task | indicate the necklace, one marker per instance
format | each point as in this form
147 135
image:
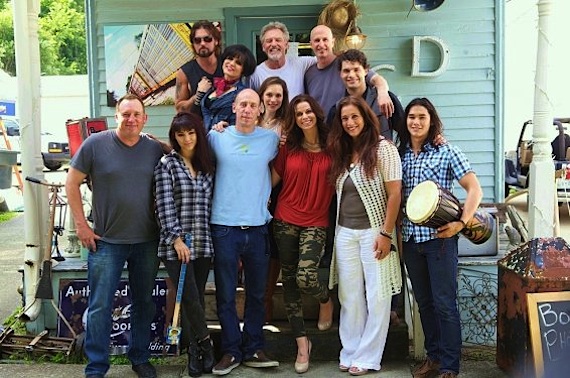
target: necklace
313 147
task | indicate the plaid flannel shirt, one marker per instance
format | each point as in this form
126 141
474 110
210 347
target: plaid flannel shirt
183 206
441 164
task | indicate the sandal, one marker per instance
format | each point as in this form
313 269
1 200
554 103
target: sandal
343 368
355 370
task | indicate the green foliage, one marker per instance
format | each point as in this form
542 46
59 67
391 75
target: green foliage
4 217
17 325
7 51
61 37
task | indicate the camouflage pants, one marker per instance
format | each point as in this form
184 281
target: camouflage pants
300 250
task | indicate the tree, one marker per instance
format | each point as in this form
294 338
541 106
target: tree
61 36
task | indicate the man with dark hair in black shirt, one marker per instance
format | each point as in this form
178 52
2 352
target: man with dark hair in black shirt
194 78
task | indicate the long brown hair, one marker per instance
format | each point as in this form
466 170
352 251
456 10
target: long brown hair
281 113
295 134
341 145
435 127
201 160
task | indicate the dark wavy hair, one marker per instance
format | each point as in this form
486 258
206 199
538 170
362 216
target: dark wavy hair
353 55
295 134
243 55
201 160
212 29
435 128
341 146
281 113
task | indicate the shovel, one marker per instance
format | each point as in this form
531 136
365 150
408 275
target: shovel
45 289
174 330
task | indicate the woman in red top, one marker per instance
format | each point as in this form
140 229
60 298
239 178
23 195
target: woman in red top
301 216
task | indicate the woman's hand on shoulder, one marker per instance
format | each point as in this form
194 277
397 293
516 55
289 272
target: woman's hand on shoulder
439 140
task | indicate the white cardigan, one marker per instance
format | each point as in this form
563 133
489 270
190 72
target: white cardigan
373 195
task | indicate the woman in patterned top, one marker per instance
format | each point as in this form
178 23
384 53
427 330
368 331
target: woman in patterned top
301 216
183 189
430 257
367 173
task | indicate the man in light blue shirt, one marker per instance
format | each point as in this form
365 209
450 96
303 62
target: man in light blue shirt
239 230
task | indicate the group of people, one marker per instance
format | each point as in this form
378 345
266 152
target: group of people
257 159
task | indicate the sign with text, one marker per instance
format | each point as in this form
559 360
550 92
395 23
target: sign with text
73 303
549 323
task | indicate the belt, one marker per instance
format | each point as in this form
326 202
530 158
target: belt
247 227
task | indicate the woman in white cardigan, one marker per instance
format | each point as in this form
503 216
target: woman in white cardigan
367 173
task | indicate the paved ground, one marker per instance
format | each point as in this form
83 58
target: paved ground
471 369
11 258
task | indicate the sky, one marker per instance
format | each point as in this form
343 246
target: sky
521 31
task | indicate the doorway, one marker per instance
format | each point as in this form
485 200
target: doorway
244 24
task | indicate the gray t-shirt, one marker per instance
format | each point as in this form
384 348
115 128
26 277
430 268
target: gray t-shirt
122 178
325 85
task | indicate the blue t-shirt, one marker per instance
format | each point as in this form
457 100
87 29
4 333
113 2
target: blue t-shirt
243 180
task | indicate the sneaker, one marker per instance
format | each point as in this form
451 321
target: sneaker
427 369
145 370
448 374
260 360
226 365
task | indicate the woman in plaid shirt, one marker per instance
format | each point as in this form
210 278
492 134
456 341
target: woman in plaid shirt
429 254
183 189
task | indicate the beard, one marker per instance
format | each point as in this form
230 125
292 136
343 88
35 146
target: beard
204 52
275 55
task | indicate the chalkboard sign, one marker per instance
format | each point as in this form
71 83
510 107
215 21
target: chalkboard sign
549 323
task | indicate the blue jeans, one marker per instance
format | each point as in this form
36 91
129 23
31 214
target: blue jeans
252 246
105 266
432 267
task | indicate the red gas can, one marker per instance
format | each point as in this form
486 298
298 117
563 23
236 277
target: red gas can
78 130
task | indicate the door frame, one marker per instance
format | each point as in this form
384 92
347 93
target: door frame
233 15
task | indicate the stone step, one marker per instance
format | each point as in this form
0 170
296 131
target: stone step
281 346
280 342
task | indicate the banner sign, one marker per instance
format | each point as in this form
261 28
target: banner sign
7 108
73 303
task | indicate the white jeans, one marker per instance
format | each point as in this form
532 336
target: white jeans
364 318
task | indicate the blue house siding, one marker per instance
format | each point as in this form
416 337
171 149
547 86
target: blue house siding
468 94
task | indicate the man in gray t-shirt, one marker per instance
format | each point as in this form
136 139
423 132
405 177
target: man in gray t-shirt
120 164
322 81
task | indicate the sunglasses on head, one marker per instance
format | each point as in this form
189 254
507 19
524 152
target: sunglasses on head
207 39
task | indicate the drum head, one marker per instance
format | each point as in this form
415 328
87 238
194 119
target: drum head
422 202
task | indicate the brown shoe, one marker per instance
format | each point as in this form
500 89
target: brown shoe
448 374
260 360
226 365
427 369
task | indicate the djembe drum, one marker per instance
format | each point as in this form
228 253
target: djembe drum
432 206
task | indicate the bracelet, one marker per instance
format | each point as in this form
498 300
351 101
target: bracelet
385 234
198 98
